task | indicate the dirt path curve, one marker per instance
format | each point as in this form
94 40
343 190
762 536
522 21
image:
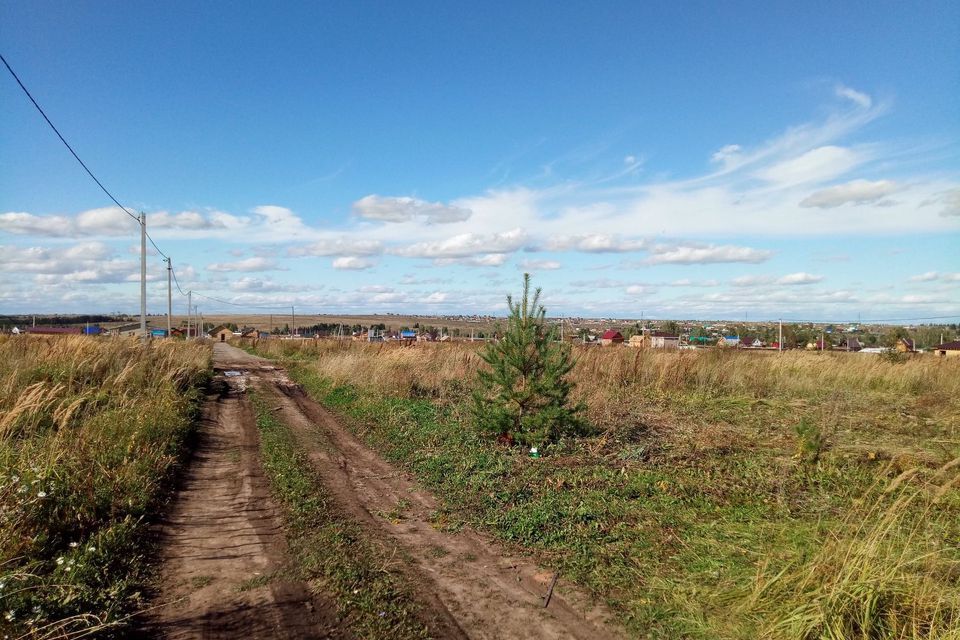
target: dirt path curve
490 594
223 540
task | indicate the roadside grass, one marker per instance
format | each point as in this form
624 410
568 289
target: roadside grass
712 503
328 547
91 431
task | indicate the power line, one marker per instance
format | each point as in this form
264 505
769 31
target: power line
236 304
64 141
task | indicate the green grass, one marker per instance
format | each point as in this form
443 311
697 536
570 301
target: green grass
674 533
330 549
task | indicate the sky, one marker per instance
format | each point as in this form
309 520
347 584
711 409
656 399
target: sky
694 160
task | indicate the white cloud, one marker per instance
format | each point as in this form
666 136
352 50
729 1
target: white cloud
487 260
593 243
705 254
404 209
929 276
339 247
799 278
951 203
751 281
539 265
727 156
465 245
22 223
816 165
352 263
857 97
640 290
248 265
855 191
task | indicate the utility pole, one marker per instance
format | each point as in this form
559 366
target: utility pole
271 323
201 322
169 298
143 275
293 316
780 342
189 310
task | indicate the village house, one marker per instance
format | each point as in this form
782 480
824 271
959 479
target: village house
905 345
611 337
662 340
220 334
748 342
948 349
728 341
639 341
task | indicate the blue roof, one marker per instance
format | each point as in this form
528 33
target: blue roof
408 334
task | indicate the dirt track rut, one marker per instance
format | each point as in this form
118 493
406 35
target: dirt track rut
471 586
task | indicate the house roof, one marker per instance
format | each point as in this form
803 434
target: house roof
949 346
610 334
908 342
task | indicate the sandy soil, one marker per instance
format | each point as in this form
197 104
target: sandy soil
469 585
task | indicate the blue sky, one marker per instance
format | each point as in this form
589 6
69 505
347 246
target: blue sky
685 160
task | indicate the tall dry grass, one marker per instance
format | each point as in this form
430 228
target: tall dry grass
603 376
89 431
888 570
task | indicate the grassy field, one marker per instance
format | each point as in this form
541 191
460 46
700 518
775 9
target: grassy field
90 433
721 495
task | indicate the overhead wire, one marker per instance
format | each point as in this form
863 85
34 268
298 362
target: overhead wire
64 141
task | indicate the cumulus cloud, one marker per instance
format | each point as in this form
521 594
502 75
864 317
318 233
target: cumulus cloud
22 223
855 191
404 209
352 263
816 165
593 243
639 290
799 278
465 245
705 254
248 264
929 276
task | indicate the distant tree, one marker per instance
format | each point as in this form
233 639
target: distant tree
670 327
524 394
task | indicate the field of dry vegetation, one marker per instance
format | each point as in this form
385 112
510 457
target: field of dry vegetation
721 494
90 432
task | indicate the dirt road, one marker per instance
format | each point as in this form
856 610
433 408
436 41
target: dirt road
468 585
223 541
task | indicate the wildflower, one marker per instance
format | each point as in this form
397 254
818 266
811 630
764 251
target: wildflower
14 479
74 545
92 549
41 494
10 615
22 489
60 560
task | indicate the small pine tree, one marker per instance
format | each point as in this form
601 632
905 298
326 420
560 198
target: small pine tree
524 395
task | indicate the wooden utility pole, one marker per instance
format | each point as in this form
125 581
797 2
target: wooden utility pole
780 343
189 310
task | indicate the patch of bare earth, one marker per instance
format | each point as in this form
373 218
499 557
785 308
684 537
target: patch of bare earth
462 576
222 543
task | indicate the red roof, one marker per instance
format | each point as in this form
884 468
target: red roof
949 346
610 334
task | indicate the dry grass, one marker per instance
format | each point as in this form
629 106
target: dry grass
89 431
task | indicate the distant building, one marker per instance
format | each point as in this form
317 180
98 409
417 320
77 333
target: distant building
221 333
728 341
748 342
905 345
948 349
611 337
639 341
